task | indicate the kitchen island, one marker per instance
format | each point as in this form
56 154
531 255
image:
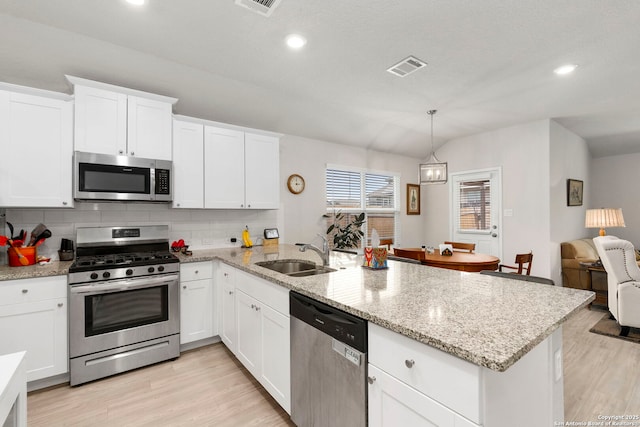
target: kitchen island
499 345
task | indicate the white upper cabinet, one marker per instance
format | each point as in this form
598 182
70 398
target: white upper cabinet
242 170
36 143
262 171
224 168
119 121
188 165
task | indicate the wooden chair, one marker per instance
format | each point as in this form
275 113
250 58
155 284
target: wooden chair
506 275
467 247
521 260
419 255
387 242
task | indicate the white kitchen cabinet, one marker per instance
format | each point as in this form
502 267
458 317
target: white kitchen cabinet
33 318
120 121
36 142
223 168
197 302
249 332
242 169
225 275
188 165
255 327
393 403
411 383
262 171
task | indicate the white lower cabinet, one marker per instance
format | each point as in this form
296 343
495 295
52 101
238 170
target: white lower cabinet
197 302
33 318
225 276
394 403
255 327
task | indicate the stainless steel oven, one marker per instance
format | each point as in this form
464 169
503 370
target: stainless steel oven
124 307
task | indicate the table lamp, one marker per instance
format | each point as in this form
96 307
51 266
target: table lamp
604 217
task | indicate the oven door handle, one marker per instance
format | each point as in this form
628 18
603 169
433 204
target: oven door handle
124 284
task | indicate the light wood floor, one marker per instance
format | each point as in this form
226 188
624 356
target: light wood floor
203 387
208 386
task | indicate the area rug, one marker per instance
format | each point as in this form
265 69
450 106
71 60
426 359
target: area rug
610 328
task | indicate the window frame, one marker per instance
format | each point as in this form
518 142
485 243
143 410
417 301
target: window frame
395 211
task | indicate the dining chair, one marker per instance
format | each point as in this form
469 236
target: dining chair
387 243
419 255
467 247
521 260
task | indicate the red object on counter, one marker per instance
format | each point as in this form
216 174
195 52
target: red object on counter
29 252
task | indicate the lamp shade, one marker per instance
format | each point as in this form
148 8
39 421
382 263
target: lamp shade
603 218
433 172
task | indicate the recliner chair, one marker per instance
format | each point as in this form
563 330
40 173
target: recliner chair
623 277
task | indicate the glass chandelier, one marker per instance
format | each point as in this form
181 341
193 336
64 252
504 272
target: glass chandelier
434 171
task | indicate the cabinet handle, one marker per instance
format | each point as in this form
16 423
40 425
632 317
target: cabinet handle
24 291
409 363
133 154
120 152
64 203
257 308
371 380
60 304
248 206
242 206
230 292
184 287
226 274
178 204
196 272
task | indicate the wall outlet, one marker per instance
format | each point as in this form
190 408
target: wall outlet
233 240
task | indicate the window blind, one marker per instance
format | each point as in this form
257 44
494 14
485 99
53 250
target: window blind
379 191
475 205
344 189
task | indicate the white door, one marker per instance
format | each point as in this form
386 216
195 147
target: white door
276 366
196 310
100 121
475 212
148 128
249 345
228 309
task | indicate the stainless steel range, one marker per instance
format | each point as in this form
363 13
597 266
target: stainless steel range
124 308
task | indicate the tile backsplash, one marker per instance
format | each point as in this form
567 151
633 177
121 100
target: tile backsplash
200 228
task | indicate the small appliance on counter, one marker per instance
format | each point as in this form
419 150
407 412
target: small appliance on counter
66 252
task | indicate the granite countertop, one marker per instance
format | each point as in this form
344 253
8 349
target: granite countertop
486 320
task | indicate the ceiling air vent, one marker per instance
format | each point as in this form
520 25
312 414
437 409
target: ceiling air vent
263 7
406 66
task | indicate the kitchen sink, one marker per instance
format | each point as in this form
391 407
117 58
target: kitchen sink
295 268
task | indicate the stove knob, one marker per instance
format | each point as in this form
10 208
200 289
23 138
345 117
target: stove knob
106 274
94 276
129 272
161 268
151 270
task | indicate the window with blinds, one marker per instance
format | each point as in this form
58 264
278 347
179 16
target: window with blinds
475 206
353 192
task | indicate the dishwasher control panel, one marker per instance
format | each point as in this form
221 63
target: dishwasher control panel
334 322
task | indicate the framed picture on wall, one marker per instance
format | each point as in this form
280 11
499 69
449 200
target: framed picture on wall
413 199
574 192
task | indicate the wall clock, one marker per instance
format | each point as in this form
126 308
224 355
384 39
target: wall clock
295 183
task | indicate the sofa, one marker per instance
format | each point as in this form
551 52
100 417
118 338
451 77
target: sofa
573 253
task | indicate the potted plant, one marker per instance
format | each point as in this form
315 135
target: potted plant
346 234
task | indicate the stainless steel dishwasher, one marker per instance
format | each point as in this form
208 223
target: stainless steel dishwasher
328 365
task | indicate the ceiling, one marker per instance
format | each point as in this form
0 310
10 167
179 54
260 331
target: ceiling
489 66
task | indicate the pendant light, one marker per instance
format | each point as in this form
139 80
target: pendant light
434 171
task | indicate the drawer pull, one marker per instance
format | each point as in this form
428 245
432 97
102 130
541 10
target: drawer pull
409 363
371 380
60 304
184 287
197 272
24 291
226 274
230 292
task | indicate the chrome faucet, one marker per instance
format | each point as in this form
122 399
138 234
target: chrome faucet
324 252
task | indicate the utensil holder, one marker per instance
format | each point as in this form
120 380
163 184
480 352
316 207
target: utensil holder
66 255
29 252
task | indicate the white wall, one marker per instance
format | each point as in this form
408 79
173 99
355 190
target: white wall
570 158
523 153
302 214
615 185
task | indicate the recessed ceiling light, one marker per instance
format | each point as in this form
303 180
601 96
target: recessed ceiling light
565 69
136 2
294 41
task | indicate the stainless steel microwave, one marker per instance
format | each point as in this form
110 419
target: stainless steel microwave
124 178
